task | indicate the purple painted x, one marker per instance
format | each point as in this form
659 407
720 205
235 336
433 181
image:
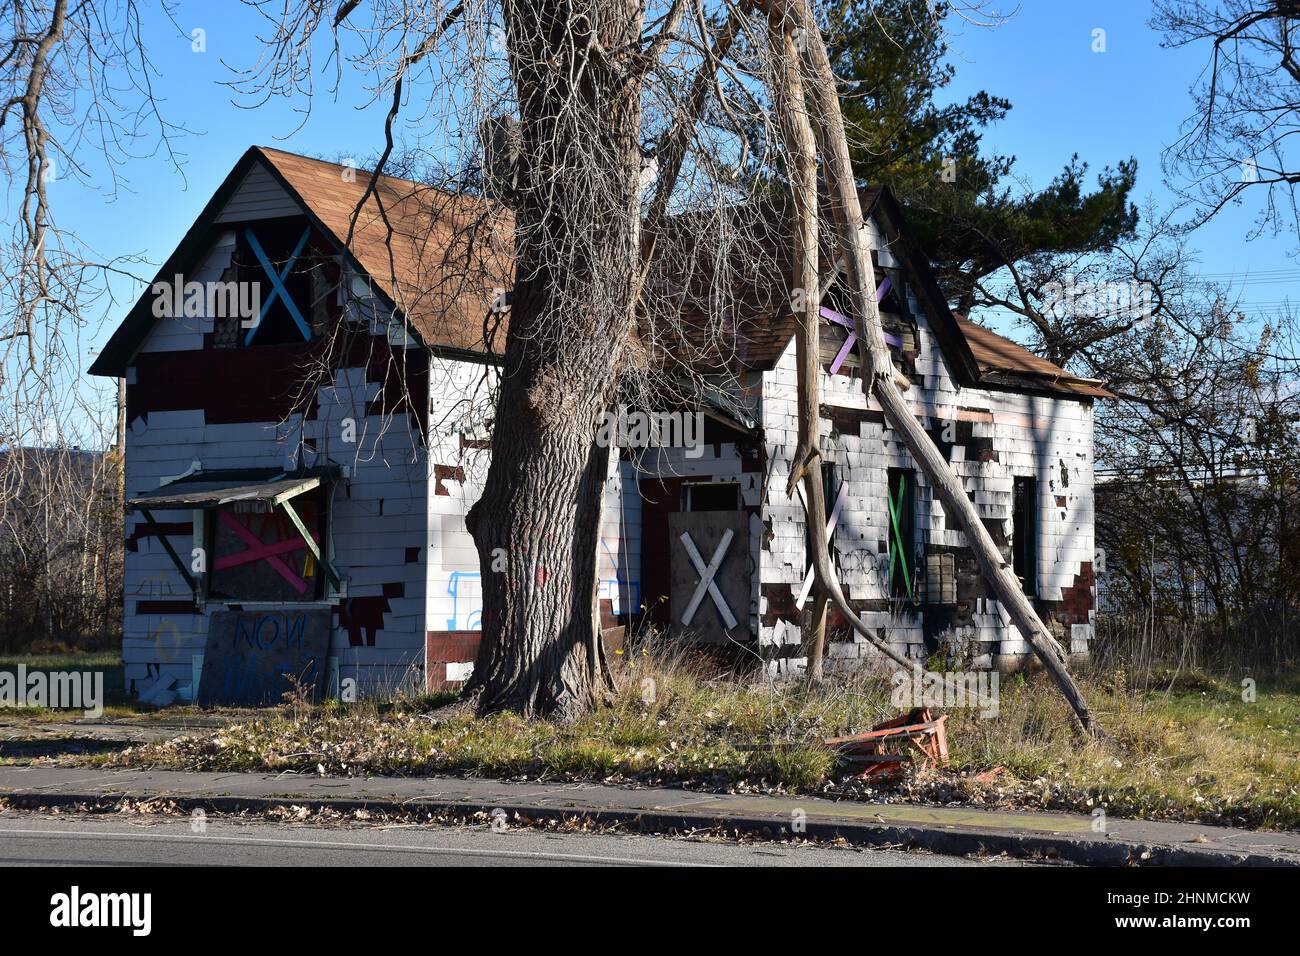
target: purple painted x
845 321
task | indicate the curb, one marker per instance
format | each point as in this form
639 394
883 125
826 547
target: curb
957 841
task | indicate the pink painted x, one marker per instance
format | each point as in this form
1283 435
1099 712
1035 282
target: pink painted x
259 550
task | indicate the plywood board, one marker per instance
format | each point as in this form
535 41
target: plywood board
251 656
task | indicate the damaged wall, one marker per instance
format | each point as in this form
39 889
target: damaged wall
460 431
990 437
224 416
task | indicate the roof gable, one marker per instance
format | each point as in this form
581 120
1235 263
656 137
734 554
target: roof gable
442 259
448 258
439 257
259 195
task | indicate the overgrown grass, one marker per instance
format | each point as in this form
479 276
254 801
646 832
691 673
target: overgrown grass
1180 747
670 721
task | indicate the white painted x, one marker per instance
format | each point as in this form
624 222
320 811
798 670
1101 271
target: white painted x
830 526
706 574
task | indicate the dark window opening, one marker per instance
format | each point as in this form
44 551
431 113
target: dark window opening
297 279
259 555
711 496
1024 533
901 512
830 491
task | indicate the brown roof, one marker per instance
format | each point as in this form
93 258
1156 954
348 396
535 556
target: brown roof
449 252
450 255
997 354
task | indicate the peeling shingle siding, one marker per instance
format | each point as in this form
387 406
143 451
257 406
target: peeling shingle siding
377 515
996 436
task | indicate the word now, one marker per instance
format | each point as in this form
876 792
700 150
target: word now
264 631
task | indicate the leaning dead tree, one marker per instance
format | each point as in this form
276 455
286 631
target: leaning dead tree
788 18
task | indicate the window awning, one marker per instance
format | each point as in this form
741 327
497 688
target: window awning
213 489
272 493
205 490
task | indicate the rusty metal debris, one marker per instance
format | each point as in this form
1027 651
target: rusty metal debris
916 732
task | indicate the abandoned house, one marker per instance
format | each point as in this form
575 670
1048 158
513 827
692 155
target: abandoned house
307 429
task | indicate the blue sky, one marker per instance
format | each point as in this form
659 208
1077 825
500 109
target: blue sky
1127 101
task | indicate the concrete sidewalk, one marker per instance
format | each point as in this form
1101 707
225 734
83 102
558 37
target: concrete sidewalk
951 830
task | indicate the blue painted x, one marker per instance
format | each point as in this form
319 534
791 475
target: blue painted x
277 284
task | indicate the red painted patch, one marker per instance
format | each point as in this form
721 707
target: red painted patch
262 384
1076 600
165 607
363 616
229 385
167 528
448 473
448 647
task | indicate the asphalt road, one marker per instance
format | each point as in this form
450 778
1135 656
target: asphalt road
34 839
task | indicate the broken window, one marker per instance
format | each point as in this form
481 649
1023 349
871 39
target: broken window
838 346
296 278
258 554
902 532
830 491
1024 533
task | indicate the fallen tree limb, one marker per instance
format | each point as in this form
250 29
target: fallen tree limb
800 149
827 124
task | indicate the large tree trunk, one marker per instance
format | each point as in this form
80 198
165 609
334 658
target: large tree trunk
571 313
878 377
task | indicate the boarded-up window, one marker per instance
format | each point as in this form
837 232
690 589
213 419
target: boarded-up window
940 579
901 509
1024 533
259 555
297 278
